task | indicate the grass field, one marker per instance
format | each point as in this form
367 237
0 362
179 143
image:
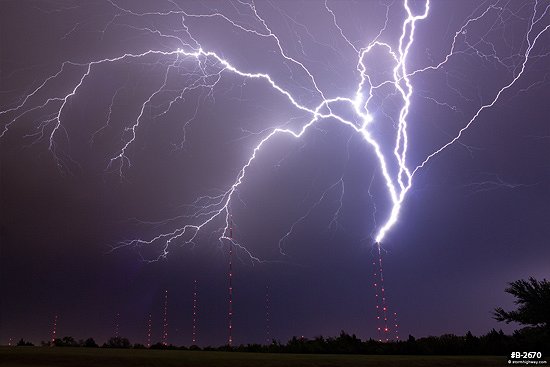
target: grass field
89 357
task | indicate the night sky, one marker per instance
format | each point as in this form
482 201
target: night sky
476 216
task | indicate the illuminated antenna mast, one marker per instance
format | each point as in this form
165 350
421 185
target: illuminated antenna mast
377 297
396 325
230 275
149 324
165 320
267 324
117 324
195 290
381 304
54 329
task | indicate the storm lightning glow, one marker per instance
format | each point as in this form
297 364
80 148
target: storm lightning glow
205 68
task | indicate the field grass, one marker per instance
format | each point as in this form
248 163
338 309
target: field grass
90 357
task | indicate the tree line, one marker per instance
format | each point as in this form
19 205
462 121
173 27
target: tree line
492 343
532 298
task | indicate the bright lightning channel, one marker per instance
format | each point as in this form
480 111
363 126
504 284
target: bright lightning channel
211 66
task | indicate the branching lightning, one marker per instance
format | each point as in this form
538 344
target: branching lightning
204 69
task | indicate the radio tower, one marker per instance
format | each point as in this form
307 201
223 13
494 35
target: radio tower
117 324
195 290
230 275
165 320
267 324
396 326
149 323
381 304
54 329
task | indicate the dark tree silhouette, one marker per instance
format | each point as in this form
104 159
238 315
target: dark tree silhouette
533 298
66 341
89 343
117 342
24 343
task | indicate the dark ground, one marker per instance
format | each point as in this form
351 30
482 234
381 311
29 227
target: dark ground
90 357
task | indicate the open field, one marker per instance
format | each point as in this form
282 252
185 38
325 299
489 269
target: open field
89 357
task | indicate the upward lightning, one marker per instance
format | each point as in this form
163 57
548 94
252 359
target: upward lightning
203 70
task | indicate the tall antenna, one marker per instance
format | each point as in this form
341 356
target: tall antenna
117 324
396 325
149 324
165 320
195 310
267 321
381 303
230 275
54 329
380 315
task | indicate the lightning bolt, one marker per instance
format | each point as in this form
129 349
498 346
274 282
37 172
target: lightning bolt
203 69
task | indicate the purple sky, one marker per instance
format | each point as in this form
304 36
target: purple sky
475 218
